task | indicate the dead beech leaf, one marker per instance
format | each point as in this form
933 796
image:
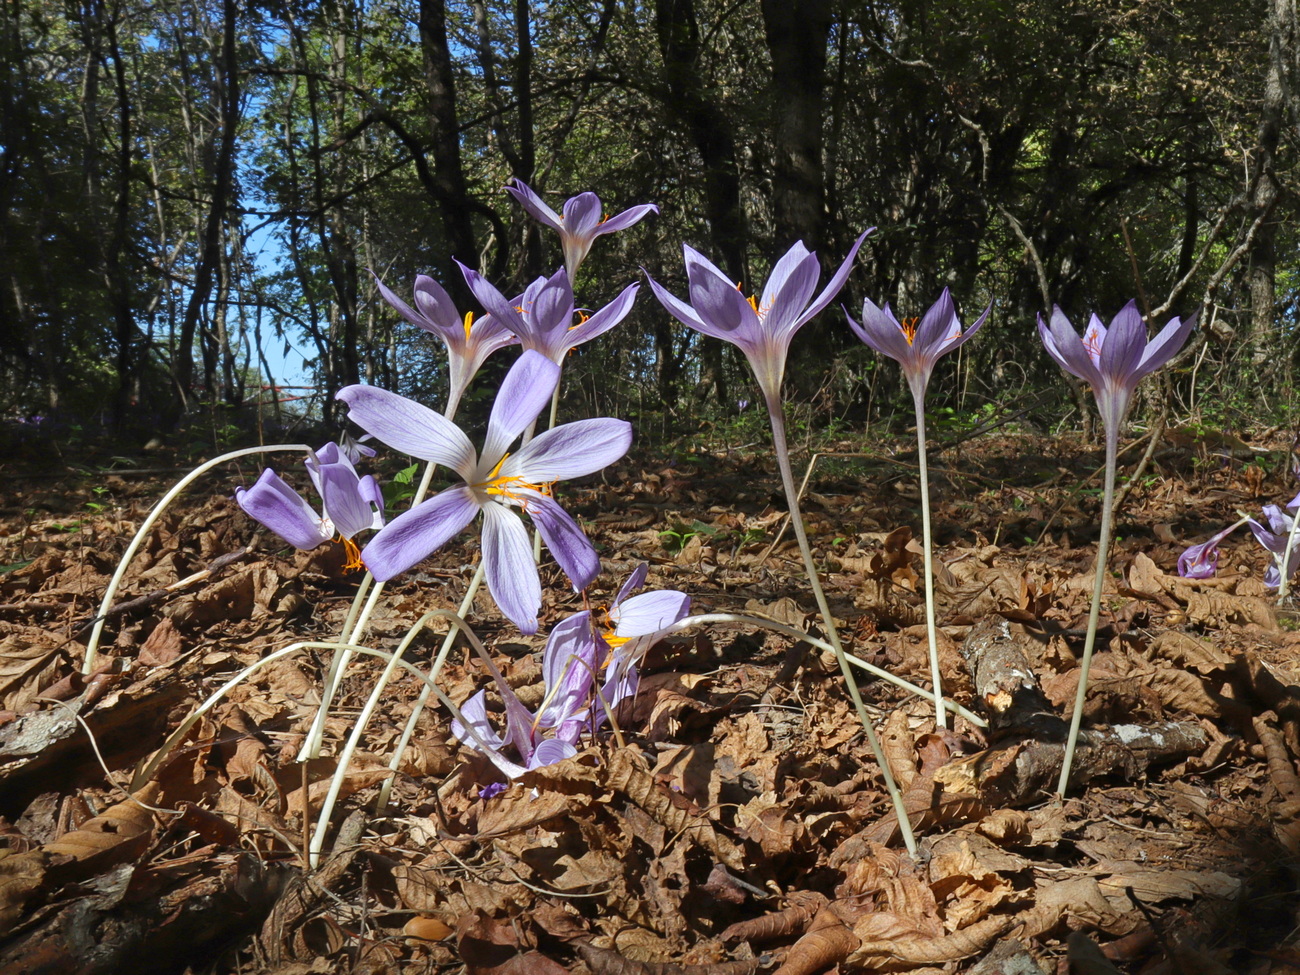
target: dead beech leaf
20 875
488 946
1221 609
518 809
595 868
354 781
827 942
162 646
793 919
117 834
1185 651
28 656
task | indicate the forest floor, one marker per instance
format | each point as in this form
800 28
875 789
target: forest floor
742 824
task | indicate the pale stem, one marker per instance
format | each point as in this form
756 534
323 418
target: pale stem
353 627
409 731
777 416
927 539
808 638
363 719
1103 550
92 645
1285 584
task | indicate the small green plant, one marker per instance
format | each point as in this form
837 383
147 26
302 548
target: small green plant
400 487
679 535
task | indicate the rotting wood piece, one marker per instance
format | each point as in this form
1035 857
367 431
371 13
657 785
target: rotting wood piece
1027 749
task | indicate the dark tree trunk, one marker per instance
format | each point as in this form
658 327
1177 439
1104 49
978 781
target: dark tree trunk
448 172
713 136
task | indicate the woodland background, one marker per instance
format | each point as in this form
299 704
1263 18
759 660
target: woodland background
190 187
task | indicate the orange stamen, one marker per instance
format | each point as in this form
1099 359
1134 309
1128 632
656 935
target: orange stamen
509 487
469 320
353 552
909 328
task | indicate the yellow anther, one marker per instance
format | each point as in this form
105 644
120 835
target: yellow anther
909 328
469 320
353 553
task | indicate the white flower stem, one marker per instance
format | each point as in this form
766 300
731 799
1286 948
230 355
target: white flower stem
92 646
1284 576
776 413
1103 550
808 638
409 731
353 627
927 540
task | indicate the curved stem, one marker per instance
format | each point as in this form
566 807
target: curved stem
1103 550
92 645
777 416
808 638
409 731
931 630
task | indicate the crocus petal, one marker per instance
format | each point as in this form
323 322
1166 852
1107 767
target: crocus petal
345 506
534 204
524 392
1065 346
679 309
570 450
633 582
572 552
280 508
409 427
603 320
414 535
724 309
506 312
625 219
550 751
836 282
790 285
650 612
568 667
478 734
936 324
1122 348
509 568
1166 344
581 214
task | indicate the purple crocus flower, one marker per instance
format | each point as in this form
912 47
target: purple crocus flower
1277 538
468 342
542 317
581 222
568 663
636 623
1202 561
351 503
1113 360
916 344
491 483
762 329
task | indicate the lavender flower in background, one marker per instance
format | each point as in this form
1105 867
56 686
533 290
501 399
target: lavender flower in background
492 483
1113 361
580 223
917 344
1279 539
351 503
1202 561
762 329
468 342
542 318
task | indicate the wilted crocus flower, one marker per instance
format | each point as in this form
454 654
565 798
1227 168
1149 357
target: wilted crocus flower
1278 538
568 663
1113 360
636 623
468 342
492 483
542 318
351 503
762 329
1202 561
581 222
915 344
